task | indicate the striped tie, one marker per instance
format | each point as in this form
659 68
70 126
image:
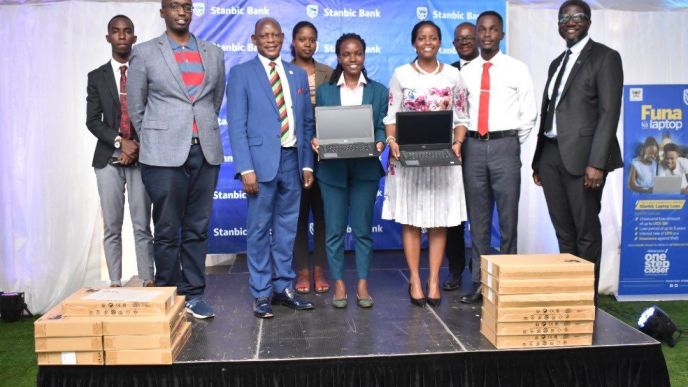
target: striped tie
277 91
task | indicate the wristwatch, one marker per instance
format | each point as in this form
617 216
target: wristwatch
118 142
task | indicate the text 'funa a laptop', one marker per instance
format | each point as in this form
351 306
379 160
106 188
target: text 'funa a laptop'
345 132
425 139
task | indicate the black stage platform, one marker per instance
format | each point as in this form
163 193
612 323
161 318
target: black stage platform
392 344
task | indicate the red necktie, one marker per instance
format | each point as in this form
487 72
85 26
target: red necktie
484 106
124 123
276 85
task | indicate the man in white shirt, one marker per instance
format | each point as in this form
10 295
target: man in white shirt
502 108
673 165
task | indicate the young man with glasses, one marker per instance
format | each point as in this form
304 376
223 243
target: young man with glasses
175 89
577 143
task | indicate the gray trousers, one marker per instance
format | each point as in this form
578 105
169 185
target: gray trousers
112 183
492 175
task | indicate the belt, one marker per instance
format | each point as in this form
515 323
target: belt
288 148
195 141
492 135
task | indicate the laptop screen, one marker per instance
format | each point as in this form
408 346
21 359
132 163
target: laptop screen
344 123
424 127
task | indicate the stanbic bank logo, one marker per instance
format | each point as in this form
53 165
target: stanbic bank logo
199 9
422 13
312 10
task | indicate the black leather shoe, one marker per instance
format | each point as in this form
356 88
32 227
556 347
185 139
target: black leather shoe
416 301
473 298
289 298
434 302
453 282
262 308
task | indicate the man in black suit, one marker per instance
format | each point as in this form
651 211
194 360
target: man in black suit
116 154
577 143
467 48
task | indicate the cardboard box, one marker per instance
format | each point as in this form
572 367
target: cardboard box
537 299
69 344
529 266
71 358
162 341
547 327
146 325
540 313
151 356
540 285
120 302
535 341
54 324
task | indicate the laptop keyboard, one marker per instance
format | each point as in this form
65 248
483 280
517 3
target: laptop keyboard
348 148
426 155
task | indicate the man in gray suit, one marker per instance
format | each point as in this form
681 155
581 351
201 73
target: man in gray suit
115 156
175 89
577 143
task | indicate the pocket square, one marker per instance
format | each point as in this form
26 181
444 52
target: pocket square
300 90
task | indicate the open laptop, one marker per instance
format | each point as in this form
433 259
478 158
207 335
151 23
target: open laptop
345 132
425 138
667 184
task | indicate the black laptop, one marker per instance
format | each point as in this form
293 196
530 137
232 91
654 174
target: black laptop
425 139
345 132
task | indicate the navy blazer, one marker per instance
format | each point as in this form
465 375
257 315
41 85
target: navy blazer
253 119
334 172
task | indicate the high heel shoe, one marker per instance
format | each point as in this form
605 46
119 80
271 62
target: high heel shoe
434 302
416 301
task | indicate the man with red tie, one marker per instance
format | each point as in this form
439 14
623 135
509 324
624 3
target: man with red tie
116 156
502 108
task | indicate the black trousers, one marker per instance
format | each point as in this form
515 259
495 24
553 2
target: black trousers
574 210
456 249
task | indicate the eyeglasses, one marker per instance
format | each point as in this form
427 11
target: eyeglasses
577 18
270 36
465 39
177 7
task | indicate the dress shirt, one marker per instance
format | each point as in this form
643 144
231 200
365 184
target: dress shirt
348 96
573 57
290 139
115 69
512 101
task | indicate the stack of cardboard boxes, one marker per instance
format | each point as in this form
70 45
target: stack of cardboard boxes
544 300
113 326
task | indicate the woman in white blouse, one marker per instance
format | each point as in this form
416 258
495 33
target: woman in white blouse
429 198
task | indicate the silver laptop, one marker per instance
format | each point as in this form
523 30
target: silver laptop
345 132
425 138
667 184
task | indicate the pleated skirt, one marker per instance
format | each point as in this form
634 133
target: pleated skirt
424 197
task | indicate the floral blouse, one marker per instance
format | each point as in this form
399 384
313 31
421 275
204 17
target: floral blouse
417 90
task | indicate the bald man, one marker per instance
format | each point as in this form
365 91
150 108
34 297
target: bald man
270 127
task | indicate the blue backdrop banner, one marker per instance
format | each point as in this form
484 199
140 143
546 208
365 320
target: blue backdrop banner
654 240
384 25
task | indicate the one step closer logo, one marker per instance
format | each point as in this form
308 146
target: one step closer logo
657 262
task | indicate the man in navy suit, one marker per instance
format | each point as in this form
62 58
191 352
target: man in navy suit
270 127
